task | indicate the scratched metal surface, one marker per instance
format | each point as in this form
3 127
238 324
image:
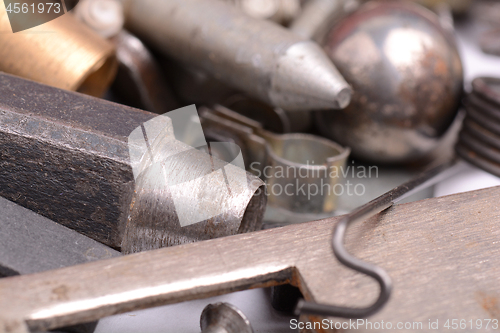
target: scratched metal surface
443 254
31 243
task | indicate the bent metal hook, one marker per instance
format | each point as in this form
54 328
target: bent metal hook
383 202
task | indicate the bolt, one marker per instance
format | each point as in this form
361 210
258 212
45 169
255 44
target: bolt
224 318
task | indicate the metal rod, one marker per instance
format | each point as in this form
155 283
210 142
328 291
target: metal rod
256 56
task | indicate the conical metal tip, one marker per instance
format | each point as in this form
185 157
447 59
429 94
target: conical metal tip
306 79
344 98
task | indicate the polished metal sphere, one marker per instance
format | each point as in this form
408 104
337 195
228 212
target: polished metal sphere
407 78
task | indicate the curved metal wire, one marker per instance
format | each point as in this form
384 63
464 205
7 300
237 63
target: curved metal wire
364 212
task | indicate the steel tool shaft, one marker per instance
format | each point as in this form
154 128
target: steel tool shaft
66 156
259 57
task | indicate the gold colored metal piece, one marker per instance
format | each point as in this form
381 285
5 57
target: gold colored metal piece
63 53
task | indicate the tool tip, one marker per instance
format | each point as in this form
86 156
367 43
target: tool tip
306 79
343 98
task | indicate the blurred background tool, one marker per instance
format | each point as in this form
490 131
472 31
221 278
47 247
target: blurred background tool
224 318
103 16
457 6
479 141
299 254
490 42
194 87
407 79
258 57
271 118
317 18
139 82
487 16
286 162
66 156
279 11
63 53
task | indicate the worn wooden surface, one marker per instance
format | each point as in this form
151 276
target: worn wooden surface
443 255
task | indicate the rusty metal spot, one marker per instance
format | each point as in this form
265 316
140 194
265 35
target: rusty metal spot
490 304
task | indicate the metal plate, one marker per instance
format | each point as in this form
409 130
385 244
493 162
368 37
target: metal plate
429 248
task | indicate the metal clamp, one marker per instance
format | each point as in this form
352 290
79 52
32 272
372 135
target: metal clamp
291 164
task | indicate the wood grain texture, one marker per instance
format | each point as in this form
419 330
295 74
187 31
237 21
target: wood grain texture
443 255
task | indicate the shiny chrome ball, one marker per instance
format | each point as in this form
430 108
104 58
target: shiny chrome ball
407 78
